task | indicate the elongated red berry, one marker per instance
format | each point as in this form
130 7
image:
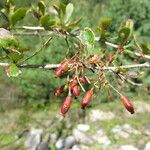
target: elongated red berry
58 72
61 69
76 90
128 105
64 65
66 105
59 91
83 80
86 99
73 84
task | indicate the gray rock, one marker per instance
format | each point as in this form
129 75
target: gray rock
97 115
60 144
83 127
53 138
101 138
76 147
80 137
147 146
81 147
33 139
65 143
43 146
69 142
4 32
124 131
127 147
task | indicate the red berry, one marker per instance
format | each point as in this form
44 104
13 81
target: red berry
83 80
73 84
58 72
87 97
128 105
66 105
61 69
76 90
59 91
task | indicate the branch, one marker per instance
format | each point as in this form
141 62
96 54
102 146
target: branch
135 53
54 66
115 69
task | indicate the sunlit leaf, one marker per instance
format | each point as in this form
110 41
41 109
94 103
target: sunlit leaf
88 37
124 34
106 23
12 70
145 48
18 15
42 7
68 12
74 23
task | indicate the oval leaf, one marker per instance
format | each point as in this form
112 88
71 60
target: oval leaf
88 38
68 12
18 15
42 7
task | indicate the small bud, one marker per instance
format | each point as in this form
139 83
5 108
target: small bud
128 105
59 91
87 97
76 90
66 105
110 58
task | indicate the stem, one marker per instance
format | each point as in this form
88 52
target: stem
39 50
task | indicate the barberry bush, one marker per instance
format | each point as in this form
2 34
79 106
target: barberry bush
95 59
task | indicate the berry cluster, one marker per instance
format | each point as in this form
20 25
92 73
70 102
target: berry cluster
74 69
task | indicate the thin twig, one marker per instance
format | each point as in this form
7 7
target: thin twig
39 50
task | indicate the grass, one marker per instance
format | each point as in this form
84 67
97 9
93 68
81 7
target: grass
14 121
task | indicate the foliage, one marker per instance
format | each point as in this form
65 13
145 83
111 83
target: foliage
139 11
71 38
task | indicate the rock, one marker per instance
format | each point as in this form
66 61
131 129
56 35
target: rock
43 146
59 144
80 147
147 146
65 143
141 107
97 115
124 131
101 138
76 147
53 138
127 147
33 138
81 137
4 32
83 127
69 142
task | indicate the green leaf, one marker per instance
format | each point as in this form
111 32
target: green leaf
106 23
124 34
74 23
145 48
68 12
12 70
18 15
46 21
42 7
88 38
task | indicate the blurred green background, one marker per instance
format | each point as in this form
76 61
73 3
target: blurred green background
33 91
